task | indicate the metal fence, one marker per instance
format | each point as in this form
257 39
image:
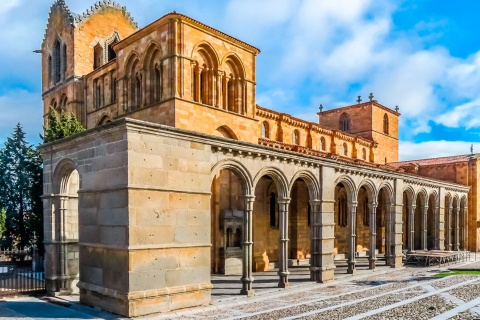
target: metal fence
20 272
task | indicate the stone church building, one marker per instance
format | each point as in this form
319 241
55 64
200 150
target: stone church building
180 174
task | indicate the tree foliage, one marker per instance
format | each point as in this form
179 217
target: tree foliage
20 191
60 125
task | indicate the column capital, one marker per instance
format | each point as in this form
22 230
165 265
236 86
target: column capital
283 200
249 197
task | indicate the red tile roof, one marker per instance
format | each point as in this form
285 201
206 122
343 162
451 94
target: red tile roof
433 161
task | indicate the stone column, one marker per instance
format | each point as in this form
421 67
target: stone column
372 256
283 267
463 230
213 89
411 228
247 278
448 235
219 89
315 240
456 240
424 228
351 245
198 94
244 97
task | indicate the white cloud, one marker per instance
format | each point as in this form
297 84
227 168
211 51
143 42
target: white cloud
6 6
432 149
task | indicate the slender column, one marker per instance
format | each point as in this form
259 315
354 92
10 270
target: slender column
244 97
315 239
411 228
283 268
463 229
456 240
219 89
351 246
62 250
424 228
247 278
372 255
449 228
198 94
213 89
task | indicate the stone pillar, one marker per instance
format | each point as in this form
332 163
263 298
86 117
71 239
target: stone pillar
351 245
213 89
456 241
315 240
198 94
424 228
326 224
448 236
283 267
463 230
372 256
411 228
244 97
247 278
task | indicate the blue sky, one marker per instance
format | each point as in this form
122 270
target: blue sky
422 55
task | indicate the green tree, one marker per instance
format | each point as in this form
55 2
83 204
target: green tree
60 125
20 190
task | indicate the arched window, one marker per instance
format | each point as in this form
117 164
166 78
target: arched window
322 143
364 154
344 122
237 239
63 102
265 131
273 210
385 123
231 94
344 149
98 95
204 86
228 238
296 137
158 87
97 56
57 65
53 104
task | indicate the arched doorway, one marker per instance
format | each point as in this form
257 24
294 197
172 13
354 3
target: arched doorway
270 224
344 230
384 225
420 208
448 222
463 217
62 271
231 222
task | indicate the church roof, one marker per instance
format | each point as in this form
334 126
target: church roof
433 161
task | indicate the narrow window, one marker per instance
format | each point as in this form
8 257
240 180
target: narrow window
366 214
322 143
345 150
345 123
342 211
113 90
265 133
273 211
157 82
296 137
110 52
138 90
364 154
56 62
231 95
50 70
228 238
97 56
237 242
385 123
203 85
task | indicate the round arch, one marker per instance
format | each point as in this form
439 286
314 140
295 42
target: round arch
235 63
349 185
61 175
207 52
239 169
372 191
310 180
152 49
278 177
411 196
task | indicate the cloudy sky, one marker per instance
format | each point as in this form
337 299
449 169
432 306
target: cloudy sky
423 56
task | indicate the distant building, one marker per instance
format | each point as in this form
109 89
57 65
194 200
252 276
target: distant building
180 174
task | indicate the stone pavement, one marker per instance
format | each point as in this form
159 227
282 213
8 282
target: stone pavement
405 293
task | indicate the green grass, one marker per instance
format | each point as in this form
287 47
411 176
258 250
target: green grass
456 272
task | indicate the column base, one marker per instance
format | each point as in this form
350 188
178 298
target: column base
284 285
326 275
351 268
372 263
248 293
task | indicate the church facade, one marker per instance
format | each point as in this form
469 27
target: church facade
181 175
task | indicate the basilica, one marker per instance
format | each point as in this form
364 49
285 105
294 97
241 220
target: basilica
181 175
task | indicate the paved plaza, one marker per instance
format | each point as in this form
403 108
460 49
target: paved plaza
386 293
